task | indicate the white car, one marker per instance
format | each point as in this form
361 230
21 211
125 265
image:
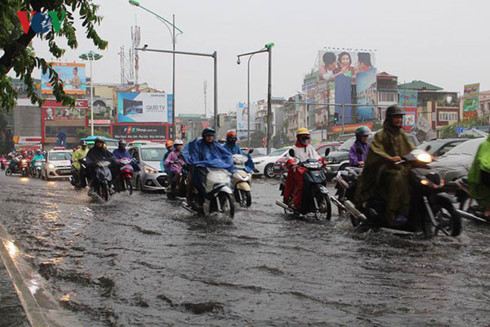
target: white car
264 165
57 164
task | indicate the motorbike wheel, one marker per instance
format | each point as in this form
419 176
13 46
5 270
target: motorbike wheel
8 172
129 186
448 219
226 204
324 211
104 191
38 173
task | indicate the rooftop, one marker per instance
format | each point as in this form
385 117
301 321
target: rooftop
420 86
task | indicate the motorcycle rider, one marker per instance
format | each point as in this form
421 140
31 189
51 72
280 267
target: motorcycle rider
38 156
479 178
173 164
361 145
230 144
96 154
303 151
381 178
78 155
169 144
204 152
121 152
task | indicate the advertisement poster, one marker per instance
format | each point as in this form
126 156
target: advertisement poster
72 75
134 107
55 111
471 101
139 131
351 76
408 101
242 113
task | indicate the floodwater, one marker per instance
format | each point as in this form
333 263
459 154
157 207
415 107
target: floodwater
142 260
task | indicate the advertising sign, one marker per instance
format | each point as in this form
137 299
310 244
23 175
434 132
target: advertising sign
344 69
407 98
471 100
242 113
139 131
53 110
350 128
72 75
134 107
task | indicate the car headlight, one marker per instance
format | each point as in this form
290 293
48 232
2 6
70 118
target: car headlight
51 166
150 170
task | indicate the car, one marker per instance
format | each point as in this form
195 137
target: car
333 146
264 165
457 162
151 176
438 147
57 164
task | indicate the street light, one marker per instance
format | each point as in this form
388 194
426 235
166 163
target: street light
267 48
91 56
174 40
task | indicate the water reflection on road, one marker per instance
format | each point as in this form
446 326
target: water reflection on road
143 260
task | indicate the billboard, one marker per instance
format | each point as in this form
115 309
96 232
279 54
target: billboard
134 107
471 101
72 75
56 111
139 131
408 101
351 76
242 113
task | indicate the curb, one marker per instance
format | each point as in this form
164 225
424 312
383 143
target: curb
40 306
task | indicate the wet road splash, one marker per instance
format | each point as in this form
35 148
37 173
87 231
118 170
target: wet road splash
145 261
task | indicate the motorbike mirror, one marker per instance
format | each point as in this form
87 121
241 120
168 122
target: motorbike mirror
250 151
327 152
291 152
427 148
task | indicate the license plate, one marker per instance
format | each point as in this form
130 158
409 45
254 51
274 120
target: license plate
65 171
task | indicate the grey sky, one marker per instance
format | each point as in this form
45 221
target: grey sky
446 43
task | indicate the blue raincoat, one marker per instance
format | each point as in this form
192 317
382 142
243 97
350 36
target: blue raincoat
235 149
198 153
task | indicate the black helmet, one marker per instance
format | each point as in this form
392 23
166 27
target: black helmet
99 140
82 143
362 131
208 131
122 142
394 110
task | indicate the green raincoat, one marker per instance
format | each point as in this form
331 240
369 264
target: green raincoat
478 190
381 178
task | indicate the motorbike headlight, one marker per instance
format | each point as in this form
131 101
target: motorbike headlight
150 170
51 166
424 157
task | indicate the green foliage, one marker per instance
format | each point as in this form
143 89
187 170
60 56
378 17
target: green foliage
256 139
450 130
18 54
82 133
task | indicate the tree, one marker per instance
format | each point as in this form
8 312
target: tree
19 55
256 139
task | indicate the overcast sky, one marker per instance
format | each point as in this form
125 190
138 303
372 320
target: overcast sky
443 42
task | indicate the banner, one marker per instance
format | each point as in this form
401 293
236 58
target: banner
72 75
135 107
471 101
53 110
344 69
350 128
242 113
139 131
408 101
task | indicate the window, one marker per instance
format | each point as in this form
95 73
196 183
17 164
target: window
387 96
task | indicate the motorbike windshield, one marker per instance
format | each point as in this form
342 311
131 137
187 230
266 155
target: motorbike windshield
200 154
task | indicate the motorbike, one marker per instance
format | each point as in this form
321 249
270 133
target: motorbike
216 183
468 207
178 189
126 174
18 166
242 181
431 211
102 184
315 197
75 178
35 170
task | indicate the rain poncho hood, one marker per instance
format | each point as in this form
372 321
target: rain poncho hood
200 154
478 190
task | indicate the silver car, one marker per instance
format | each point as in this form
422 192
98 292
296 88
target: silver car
151 176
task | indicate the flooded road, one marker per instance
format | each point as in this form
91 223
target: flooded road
145 261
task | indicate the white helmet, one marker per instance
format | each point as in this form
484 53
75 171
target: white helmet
178 142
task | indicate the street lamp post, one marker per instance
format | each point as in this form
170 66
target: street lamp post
174 41
91 56
267 48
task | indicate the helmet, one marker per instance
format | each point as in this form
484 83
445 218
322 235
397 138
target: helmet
208 131
303 131
38 152
99 140
169 143
178 142
231 136
122 142
394 110
82 143
362 131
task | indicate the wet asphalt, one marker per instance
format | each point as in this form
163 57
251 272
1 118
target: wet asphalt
142 260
